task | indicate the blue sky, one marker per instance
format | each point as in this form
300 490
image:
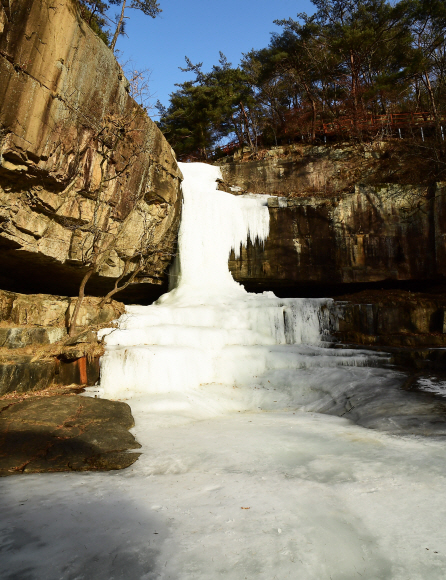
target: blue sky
199 29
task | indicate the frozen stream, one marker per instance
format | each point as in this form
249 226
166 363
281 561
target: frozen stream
251 466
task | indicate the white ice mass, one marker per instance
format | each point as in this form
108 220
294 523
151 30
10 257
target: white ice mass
208 330
243 474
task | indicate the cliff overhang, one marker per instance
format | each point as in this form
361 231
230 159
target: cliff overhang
70 135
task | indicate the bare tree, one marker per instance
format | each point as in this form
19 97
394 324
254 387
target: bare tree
96 238
139 83
146 249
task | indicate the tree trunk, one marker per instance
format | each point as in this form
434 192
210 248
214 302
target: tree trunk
354 88
118 28
418 94
247 126
314 112
254 130
118 289
383 104
256 135
92 13
237 132
72 329
428 85
313 120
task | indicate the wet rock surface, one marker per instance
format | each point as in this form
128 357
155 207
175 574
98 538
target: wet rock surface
360 237
21 372
35 351
339 220
394 318
65 433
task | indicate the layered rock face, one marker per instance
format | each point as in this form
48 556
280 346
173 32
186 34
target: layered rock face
294 168
77 155
325 239
34 351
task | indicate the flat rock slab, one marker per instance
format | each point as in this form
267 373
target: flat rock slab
65 433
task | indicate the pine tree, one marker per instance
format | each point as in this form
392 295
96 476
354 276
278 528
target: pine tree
93 12
207 109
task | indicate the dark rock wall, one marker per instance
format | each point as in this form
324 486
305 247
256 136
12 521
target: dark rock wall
377 233
390 318
63 100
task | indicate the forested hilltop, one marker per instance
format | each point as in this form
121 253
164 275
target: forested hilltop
356 69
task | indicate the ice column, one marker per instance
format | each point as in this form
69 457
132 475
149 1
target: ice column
212 223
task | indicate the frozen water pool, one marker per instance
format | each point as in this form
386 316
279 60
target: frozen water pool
326 498
246 495
253 466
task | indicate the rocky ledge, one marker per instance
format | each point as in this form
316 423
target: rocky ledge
410 326
64 433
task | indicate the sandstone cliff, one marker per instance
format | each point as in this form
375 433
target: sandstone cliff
75 149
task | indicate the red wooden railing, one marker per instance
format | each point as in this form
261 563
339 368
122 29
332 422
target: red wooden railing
365 123
297 124
376 122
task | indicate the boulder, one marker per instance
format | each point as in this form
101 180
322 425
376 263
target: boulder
65 433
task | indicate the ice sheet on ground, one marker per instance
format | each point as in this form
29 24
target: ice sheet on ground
327 500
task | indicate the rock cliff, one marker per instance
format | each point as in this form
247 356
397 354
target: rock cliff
75 150
326 232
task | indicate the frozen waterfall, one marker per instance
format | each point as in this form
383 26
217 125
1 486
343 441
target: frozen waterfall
208 329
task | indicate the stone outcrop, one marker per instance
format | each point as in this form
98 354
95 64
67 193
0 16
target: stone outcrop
410 327
373 234
76 153
374 324
343 215
391 318
53 312
296 169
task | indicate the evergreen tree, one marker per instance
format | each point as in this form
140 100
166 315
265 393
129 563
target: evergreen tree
368 41
205 110
428 28
347 63
93 12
